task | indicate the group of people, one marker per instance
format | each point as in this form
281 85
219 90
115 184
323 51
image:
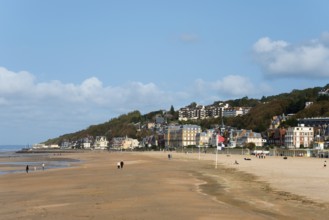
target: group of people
27 168
120 164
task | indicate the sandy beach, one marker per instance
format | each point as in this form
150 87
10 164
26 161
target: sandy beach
150 186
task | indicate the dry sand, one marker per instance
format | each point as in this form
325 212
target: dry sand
152 187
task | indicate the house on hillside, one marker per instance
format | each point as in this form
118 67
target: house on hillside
243 137
124 143
276 136
324 92
100 143
298 137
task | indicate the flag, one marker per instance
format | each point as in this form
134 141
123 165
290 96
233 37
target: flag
220 139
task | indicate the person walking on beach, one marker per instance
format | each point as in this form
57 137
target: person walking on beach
121 164
43 166
27 168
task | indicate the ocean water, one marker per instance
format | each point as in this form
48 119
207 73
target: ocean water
8 151
10 148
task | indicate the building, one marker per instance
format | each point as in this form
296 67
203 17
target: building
276 136
183 114
43 146
117 143
297 137
211 111
277 120
130 143
321 125
86 142
181 135
243 137
324 92
124 143
100 143
203 138
233 112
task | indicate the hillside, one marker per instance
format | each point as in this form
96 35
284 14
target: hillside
258 119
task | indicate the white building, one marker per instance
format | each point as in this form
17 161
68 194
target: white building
233 112
43 146
100 143
124 143
299 136
86 145
130 143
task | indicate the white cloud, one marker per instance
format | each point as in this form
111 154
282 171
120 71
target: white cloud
15 87
281 59
57 108
267 45
50 109
11 82
229 87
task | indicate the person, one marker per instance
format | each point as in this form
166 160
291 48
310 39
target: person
121 164
27 168
118 165
43 166
325 163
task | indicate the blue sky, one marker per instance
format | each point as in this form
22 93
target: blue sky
65 65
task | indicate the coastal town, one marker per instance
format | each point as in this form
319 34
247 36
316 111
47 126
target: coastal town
308 139
165 110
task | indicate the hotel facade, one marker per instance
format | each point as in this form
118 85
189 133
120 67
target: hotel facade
297 137
181 135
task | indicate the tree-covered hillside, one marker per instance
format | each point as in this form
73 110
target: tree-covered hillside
258 118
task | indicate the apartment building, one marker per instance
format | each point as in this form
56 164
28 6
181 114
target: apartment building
213 111
202 112
233 112
321 124
299 136
181 135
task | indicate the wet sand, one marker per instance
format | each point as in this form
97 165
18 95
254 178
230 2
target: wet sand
152 187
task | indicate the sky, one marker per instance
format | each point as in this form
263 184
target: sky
66 65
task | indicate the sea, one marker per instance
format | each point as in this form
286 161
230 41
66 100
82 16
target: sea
8 151
5 149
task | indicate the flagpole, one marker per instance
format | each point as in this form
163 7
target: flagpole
216 157
199 152
219 139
